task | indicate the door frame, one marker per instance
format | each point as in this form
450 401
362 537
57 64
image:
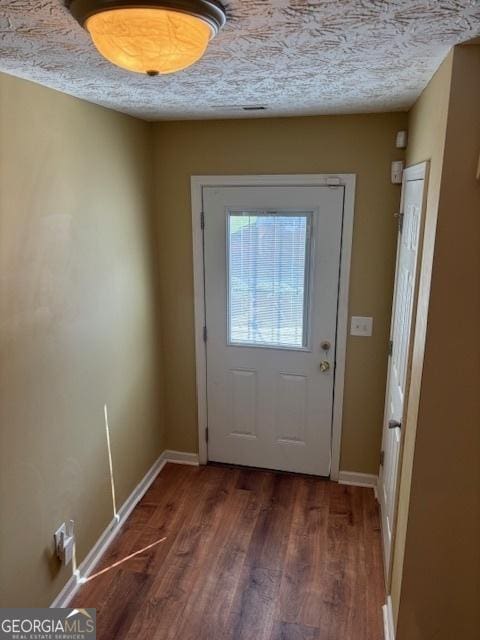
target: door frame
198 183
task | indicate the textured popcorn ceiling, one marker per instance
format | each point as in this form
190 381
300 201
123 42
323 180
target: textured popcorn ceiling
293 56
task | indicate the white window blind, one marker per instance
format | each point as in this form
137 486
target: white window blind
268 256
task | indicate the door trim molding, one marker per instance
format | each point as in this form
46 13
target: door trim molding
388 623
346 180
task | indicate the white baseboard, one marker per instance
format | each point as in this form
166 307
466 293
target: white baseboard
388 625
69 590
359 479
181 457
93 557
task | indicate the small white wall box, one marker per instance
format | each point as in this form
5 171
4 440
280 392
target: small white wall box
361 326
65 542
401 140
397 171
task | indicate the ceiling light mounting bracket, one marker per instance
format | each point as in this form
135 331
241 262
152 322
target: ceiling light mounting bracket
210 11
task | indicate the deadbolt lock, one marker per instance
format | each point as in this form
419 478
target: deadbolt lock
324 366
325 345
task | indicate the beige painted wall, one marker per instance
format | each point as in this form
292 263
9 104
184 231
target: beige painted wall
427 124
438 592
78 326
364 145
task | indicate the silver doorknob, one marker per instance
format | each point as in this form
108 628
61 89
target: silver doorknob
324 366
394 424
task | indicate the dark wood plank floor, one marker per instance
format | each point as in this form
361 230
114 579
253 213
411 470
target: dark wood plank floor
248 555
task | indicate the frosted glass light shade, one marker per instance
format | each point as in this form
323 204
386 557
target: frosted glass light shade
149 40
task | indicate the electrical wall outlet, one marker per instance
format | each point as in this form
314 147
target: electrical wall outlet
65 542
361 326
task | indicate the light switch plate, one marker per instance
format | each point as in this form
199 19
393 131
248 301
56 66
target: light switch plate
361 326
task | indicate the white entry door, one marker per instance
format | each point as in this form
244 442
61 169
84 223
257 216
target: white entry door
401 329
272 257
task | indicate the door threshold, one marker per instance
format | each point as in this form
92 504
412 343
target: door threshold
241 467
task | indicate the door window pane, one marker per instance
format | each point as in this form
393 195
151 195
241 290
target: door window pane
268 256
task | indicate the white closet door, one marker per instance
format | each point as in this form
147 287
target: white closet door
402 315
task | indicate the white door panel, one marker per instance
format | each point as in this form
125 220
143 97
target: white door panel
272 258
401 328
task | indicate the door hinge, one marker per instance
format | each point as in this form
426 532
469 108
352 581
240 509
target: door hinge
333 181
382 458
400 222
390 347
205 333
202 220
206 434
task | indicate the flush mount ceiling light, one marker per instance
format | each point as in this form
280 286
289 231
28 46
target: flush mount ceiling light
150 36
